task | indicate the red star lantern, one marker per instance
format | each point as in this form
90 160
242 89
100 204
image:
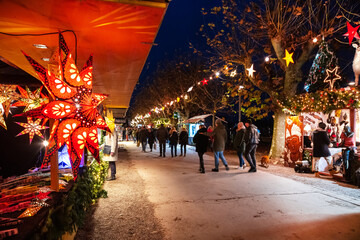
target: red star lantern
204 82
32 128
352 32
30 100
74 108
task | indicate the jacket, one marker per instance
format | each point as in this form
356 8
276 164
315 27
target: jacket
220 138
239 141
112 140
142 135
162 134
150 136
201 140
250 134
174 138
184 137
321 143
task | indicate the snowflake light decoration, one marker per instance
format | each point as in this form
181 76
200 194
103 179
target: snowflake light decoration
74 108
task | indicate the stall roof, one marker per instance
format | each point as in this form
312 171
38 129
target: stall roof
119 33
197 118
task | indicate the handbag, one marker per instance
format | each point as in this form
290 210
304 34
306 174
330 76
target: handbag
107 149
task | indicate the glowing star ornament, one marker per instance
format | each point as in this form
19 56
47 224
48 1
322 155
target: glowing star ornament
204 82
251 70
332 76
352 32
32 128
74 108
288 58
7 95
30 100
110 121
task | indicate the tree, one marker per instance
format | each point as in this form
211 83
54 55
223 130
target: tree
270 29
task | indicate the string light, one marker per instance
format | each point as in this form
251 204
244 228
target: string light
267 59
315 40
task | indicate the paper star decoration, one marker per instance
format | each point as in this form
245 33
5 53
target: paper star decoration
74 107
204 82
7 95
251 70
32 128
30 100
288 58
352 32
110 121
332 76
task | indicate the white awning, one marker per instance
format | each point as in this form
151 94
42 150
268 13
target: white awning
197 118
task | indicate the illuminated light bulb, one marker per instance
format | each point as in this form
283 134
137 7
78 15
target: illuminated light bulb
351 83
315 40
199 83
210 78
217 74
186 97
77 105
190 89
267 59
46 143
233 73
241 87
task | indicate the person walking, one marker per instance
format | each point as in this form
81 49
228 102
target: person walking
239 143
201 140
321 143
183 140
162 135
220 138
143 138
151 138
174 139
211 139
111 139
252 139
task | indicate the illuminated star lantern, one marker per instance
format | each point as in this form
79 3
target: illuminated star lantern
32 128
233 73
204 82
7 95
352 32
251 70
288 58
74 107
110 121
30 100
332 76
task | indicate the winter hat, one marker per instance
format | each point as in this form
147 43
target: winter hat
322 125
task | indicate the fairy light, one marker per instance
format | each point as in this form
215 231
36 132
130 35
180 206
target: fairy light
267 59
217 74
315 40
45 143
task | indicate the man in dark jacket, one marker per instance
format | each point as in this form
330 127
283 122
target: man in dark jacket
201 140
220 137
162 135
251 141
143 138
321 143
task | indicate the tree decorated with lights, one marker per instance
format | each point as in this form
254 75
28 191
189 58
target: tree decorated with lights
285 33
324 59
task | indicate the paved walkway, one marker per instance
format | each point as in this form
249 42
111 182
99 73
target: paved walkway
237 205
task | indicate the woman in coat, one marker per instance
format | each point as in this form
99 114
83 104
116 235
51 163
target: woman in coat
174 138
151 138
239 143
183 140
201 140
111 139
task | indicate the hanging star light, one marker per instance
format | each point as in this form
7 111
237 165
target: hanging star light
30 100
32 128
288 58
110 120
7 95
251 70
332 76
352 32
233 73
74 107
204 82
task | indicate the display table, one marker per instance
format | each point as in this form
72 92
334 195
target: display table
323 166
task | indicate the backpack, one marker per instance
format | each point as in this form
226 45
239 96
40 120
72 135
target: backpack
257 136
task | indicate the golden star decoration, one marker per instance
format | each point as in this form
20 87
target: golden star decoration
31 100
332 76
251 70
110 121
7 95
32 128
288 58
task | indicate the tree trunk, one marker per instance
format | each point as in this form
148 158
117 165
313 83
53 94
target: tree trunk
278 139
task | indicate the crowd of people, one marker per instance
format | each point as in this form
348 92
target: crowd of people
206 139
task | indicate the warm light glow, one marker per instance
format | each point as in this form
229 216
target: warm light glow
351 83
190 89
267 59
315 40
233 73
46 143
46 59
251 70
186 96
41 46
241 87
217 74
